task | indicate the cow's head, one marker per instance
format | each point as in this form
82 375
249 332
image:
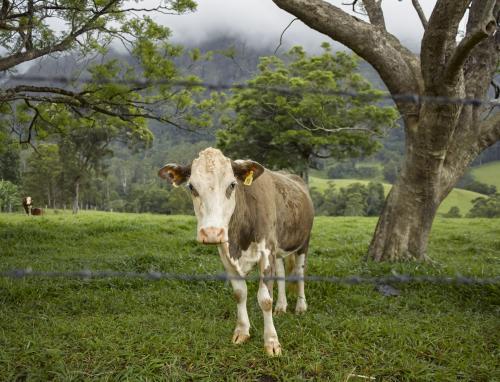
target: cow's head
212 179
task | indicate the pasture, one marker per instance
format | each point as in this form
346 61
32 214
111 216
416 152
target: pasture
132 329
488 173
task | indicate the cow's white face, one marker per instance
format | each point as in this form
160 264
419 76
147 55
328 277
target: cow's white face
212 180
212 184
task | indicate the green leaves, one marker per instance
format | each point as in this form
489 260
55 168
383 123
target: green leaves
311 119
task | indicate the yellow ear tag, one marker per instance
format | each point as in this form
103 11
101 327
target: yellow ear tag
249 179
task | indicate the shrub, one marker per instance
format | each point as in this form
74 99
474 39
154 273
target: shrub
485 207
454 212
353 200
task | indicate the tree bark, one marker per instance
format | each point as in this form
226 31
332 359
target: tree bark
76 207
441 139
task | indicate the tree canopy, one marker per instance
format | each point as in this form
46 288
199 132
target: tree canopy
117 92
291 129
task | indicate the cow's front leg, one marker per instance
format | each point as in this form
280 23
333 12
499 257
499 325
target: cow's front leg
242 330
265 298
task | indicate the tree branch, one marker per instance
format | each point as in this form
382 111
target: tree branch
439 41
486 27
375 13
489 132
31 54
282 33
420 12
398 67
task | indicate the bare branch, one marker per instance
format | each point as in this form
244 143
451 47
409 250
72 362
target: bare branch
420 12
282 33
322 128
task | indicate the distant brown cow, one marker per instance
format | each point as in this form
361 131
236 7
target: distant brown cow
254 216
37 211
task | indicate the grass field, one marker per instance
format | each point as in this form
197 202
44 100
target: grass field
488 173
458 197
130 329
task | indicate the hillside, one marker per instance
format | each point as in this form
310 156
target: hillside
458 197
488 173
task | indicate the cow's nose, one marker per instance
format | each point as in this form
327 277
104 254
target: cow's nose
211 235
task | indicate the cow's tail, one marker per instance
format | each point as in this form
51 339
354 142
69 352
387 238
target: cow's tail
289 271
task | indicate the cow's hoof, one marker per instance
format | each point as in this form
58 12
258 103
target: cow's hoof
273 348
279 309
239 337
301 306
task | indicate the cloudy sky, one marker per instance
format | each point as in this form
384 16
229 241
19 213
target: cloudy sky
261 22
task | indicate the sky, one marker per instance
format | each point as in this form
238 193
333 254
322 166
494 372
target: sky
260 22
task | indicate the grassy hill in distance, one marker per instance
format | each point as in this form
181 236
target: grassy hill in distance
458 197
488 173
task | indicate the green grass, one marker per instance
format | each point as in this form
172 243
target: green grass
457 197
488 173
124 329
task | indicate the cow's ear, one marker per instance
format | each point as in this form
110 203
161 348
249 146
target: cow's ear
247 170
175 173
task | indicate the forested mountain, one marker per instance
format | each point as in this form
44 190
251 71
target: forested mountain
128 181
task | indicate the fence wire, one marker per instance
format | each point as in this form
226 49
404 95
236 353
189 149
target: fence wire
405 98
393 278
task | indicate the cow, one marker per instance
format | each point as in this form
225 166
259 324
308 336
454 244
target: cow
37 211
255 216
27 204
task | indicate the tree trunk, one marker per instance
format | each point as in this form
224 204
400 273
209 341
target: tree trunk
404 225
76 196
48 195
442 138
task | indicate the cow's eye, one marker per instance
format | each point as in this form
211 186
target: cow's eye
192 189
230 189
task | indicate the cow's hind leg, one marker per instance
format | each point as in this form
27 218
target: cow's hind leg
300 262
264 296
281 304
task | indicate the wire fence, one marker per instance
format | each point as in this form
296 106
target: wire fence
393 278
367 96
349 280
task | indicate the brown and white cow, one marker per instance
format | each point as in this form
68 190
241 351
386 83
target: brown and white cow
254 216
27 204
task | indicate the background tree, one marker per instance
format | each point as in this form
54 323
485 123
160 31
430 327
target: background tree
441 138
41 179
124 89
10 199
292 129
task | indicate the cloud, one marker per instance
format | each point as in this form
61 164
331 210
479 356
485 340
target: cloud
261 22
